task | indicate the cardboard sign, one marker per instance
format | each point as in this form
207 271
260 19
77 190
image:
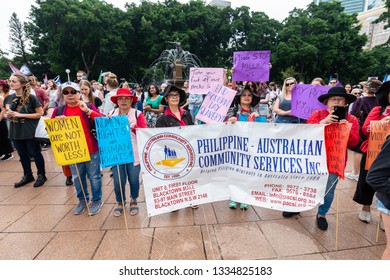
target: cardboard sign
336 140
201 79
216 104
378 132
251 66
304 100
68 141
114 140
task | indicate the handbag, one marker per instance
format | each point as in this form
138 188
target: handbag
40 131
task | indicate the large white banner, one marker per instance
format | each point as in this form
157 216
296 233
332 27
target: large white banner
275 166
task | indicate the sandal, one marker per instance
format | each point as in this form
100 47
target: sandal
195 206
118 212
232 204
243 206
134 208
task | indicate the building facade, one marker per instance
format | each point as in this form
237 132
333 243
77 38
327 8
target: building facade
356 6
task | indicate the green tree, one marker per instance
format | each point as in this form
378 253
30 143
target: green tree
17 38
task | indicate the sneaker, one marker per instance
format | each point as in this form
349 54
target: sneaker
40 181
352 176
322 223
382 226
95 207
25 180
286 214
1 156
45 147
69 181
232 204
7 157
80 208
365 216
243 206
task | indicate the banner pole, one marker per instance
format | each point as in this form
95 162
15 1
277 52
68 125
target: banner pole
123 201
337 218
377 228
82 189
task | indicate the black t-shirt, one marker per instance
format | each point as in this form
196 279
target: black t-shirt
21 128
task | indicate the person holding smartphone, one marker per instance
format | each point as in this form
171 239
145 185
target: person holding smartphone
337 100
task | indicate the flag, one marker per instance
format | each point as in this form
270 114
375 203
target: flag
13 68
100 77
45 80
25 70
57 79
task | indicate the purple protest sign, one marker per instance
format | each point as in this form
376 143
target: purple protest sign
304 100
251 66
216 104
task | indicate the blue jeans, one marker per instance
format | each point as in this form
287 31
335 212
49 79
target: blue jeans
130 172
27 148
92 170
329 194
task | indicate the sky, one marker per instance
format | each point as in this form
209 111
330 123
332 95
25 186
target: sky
276 9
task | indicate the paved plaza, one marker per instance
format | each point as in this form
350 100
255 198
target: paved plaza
39 224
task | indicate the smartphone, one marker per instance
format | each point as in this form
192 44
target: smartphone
340 112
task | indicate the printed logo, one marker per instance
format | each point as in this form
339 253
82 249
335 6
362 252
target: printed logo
168 156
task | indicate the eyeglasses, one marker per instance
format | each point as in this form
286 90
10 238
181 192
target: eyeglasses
66 92
246 95
290 84
337 99
173 95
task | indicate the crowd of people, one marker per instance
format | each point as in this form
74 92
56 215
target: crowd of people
23 101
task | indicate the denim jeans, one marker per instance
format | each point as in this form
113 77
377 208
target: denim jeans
27 148
130 172
92 170
329 194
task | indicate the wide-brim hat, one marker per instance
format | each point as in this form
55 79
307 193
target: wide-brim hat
123 92
382 94
337 91
255 97
70 85
171 88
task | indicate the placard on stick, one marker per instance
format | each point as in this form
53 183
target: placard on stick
68 141
202 78
114 140
251 66
377 137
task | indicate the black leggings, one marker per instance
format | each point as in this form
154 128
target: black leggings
364 193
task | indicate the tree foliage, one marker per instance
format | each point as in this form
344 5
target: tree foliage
17 38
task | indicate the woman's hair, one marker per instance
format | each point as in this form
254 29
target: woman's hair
284 88
54 84
90 95
320 80
112 80
26 87
156 87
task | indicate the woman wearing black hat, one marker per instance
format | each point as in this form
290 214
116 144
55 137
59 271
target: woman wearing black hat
364 192
336 97
243 110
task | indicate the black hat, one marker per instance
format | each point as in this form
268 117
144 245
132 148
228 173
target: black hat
337 91
255 97
170 88
382 94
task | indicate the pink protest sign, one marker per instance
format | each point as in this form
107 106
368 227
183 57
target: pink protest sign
202 78
251 66
216 104
304 100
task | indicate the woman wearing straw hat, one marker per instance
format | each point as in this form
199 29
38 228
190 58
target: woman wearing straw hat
125 101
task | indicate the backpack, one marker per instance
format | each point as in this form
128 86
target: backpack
92 125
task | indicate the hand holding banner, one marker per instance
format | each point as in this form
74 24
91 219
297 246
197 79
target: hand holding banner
251 66
68 141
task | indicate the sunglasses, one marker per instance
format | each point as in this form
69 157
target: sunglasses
66 92
290 84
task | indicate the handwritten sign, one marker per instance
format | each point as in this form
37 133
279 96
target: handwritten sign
202 78
114 140
336 139
251 66
216 104
377 137
304 100
68 141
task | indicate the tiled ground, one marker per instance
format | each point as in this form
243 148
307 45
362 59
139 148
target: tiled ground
38 223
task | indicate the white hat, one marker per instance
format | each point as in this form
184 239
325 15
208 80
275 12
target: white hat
71 85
